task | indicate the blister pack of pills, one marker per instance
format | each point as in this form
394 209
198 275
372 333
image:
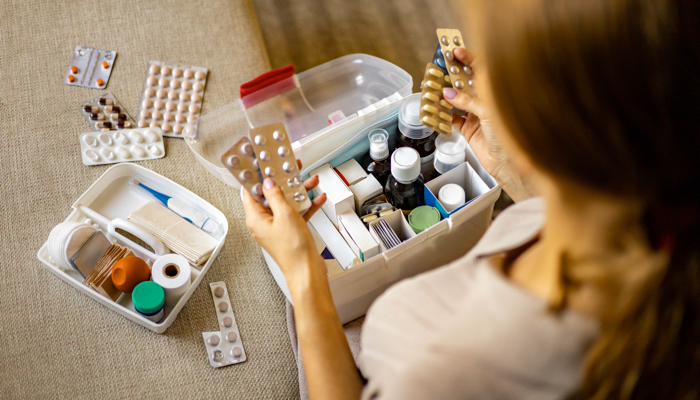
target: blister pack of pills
172 98
460 74
90 67
241 162
434 109
274 159
225 346
104 113
126 145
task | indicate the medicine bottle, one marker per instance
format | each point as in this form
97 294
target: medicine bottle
417 136
404 188
377 161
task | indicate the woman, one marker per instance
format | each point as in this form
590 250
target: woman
592 290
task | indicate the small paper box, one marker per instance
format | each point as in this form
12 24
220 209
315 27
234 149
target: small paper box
464 176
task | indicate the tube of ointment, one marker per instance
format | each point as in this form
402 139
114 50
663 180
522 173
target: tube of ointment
198 218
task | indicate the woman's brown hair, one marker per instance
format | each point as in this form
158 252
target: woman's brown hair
606 93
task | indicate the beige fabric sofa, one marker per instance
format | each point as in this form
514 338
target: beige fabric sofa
54 341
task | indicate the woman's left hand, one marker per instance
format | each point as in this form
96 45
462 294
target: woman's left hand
283 232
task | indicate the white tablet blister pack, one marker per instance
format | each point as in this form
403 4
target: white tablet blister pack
125 145
104 113
225 346
172 98
90 67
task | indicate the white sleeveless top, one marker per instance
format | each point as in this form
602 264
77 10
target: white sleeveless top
464 331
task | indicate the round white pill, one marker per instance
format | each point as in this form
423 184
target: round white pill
151 136
106 139
168 116
156 114
213 340
232 162
90 141
149 92
288 167
154 124
227 322
169 105
265 155
152 81
172 95
160 93
196 97
191 118
193 108
270 171
184 96
174 84
138 151
163 82
133 135
158 104
247 149
177 128
182 107
278 136
177 72
231 336
260 140
143 123
186 85
144 114
283 151
92 155
154 149
165 70
197 87
124 153
154 70
223 306
188 73
147 103
107 153
165 127
236 352
199 75
180 118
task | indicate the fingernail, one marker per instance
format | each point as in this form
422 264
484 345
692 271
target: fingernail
449 93
268 183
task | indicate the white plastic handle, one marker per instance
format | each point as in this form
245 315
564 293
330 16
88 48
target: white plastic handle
157 246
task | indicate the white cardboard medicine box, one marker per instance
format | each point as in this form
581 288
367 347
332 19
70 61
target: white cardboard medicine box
328 112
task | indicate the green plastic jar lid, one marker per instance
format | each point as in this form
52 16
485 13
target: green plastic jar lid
423 217
148 297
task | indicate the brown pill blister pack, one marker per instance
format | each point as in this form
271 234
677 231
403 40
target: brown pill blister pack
434 110
104 113
241 162
277 162
462 76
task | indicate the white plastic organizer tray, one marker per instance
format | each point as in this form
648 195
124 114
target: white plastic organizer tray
110 197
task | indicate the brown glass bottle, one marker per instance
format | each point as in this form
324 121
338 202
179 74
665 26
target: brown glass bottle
413 134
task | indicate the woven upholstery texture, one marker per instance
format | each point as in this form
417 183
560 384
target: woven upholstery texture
56 342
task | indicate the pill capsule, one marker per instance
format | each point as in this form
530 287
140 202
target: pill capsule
149 92
288 167
169 105
299 197
104 124
104 101
177 72
449 56
278 136
154 149
468 70
193 108
435 72
445 41
168 116
231 336
106 129
270 171
158 104
165 70
429 121
174 84
156 114
186 85
179 117
154 70
189 131
445 116
71 78
118 117
459 84
431 97
191 118
143 123
236 352
105 64
90 141
197 87
247 149
433 85
107 153
145 113
154 124
445 127
161 93
454 70
92 155
219 291
213 340
165 127
457 41
97 116
133 135
147 103
138 151
447 79
152 81
245 175
188 73
257 189
255 164
182 107
151 136
172 95
120 138
430 109
163 82
265 155
227 322
445 104
113 109
283 151
470 83
74 69
124 124
184 96
232 162
260 140
199 75
100 82
196 97
177 128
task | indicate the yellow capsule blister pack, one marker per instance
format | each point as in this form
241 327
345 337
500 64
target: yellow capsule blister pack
434 110
462 76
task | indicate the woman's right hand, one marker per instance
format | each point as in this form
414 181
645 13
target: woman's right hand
479 129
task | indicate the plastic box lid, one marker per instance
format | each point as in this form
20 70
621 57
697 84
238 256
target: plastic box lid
331 97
